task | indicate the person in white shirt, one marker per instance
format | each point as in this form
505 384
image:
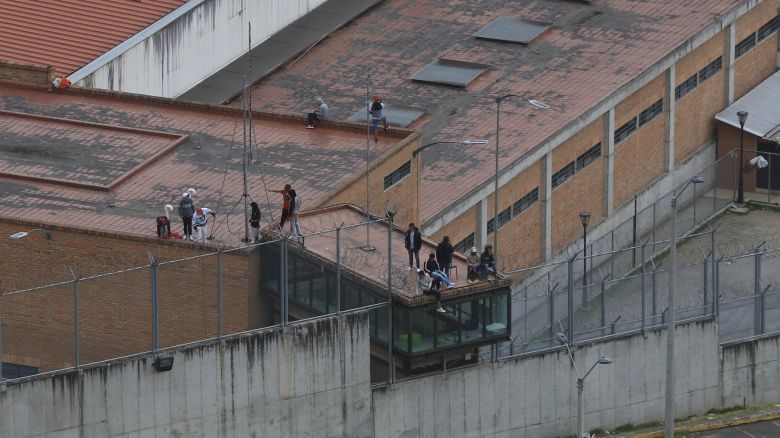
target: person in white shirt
295 209
201 223
377 111
429 286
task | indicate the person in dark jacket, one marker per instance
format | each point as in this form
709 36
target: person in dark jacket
186 211
487 260
432 267
444 253
254 223
413 243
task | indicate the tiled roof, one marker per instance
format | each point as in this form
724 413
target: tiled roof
70 33
590 51
110 163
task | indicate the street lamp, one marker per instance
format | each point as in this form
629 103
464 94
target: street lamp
603 360
417 151
499 99
669 407
584 219
742 115
23 234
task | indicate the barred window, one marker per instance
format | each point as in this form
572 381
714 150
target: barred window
768 29
525 202
745 45
398 174
588 157
563 175
465 245
624 131
650 112
14 371
710 69
504 217
686 87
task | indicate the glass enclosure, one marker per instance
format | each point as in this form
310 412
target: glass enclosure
418 330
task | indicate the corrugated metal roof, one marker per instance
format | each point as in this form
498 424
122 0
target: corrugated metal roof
70 33
761 105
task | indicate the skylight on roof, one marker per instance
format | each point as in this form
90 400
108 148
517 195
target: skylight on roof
450 72
396 115
515 30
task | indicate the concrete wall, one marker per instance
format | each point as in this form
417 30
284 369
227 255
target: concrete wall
535 395
311 381
186 50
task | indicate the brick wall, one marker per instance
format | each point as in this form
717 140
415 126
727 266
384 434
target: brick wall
728 140
402 195
115 311
639 158
26 74
760 62
583 192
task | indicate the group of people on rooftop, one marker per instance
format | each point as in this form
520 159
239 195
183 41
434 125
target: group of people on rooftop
436 270
376 111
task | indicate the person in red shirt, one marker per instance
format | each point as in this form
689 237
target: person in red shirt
286 206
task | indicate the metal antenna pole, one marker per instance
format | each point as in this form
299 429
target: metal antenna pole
368 246
246 151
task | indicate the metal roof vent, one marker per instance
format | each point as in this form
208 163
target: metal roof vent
396 115
515 30
450 72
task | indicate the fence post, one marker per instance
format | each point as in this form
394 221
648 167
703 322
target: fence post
604 303
652 234
283 281
716 298
571 299
338 269
390 357
694 206
654 298
612 257
715 195
757 309
633 237
219 293
2 384
714 270
155 328
551 299
76 333
644 287
706 278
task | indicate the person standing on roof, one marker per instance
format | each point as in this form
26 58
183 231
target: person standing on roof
186 211
413 243
318 115
444 253
254 223
377 110
201 223
285 192
295 209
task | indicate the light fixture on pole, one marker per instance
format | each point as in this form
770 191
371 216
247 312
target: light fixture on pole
418 163
742 116
23 234
533 102
603 360
669 402
584 219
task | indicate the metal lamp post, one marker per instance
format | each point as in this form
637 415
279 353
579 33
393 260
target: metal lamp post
742 115
603 360
500 99
419 165
584 219
669 402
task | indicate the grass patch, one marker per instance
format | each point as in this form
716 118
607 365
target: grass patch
626 428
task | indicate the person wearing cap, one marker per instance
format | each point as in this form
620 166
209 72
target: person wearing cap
201 223
318 115
429 286
377 111
473 263
186 211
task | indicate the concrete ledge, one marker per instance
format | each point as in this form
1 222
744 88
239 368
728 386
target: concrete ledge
706 425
